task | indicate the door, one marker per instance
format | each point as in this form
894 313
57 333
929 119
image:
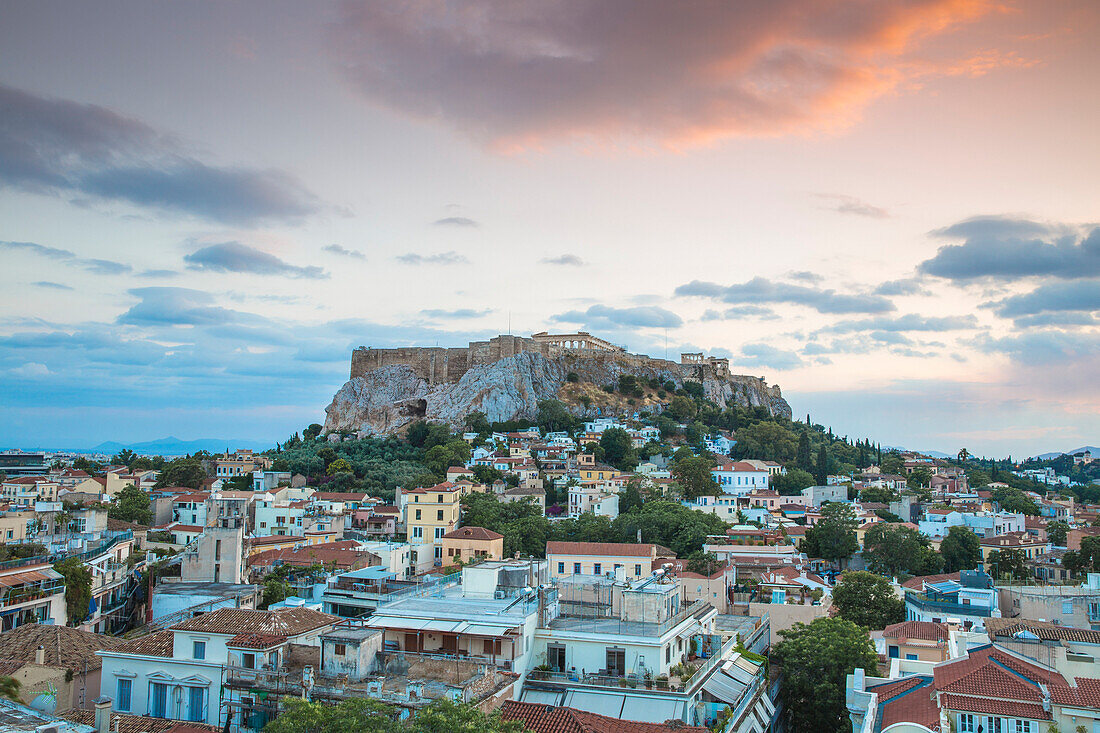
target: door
450 644
412 642
616 662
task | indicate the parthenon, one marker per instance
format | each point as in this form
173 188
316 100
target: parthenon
578 340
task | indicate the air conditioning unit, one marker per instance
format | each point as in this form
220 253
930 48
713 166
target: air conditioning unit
499 595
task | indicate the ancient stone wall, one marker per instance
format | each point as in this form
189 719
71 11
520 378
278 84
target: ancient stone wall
444 365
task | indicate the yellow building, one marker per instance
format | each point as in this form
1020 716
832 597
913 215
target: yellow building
469 543
1029 545
597 472
430 513
921 640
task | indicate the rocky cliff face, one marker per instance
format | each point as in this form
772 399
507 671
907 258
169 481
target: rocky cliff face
387 399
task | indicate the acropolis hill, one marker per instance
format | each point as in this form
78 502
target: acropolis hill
506 376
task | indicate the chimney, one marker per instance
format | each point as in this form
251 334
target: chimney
103 714
40 655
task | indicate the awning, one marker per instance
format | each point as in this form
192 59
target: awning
477 629
29 576
610 704
545 697
725 688
448 627
395 622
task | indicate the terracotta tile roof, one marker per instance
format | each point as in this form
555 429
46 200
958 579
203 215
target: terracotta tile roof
123 723
615 549
1003 708
918 582
539 718
343 554
910 700
1001 627
65 646
283 622
256 641
339 496
990 680
473 533
153 645
925 630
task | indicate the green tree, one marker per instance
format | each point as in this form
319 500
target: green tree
439 458
693 475
868 600
816 660
875 494
1014 500
446 716
667 523
918 477
553 416
360 715
704 563
821 469
187 472
10 687
1008 563
961 550
131 505
792 482
275 590
630 497
477 422
340 465
804 451
893 548
681 408
312 431
1056 533
78 588
834 536
123 458
617 449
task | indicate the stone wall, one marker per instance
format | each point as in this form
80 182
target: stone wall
440 365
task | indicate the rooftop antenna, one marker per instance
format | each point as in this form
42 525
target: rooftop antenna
509 321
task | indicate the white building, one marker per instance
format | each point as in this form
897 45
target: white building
739 477
593 499
177 673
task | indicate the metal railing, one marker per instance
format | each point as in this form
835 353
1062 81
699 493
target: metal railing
925 603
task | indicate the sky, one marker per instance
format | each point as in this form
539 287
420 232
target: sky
889 208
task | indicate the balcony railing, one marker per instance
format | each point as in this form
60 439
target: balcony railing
460 656
31 593
925 603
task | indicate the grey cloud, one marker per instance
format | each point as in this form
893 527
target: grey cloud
1056 319
1081 296
53 285
852 205
1004 248
904 286
240 258
456 221
607 316
806 276
761 290
890 337
764 355
458 313
160 274
338 250
441 258
908 322
59 146
1040 348
741 311
97 266
566 259
522 72
175 307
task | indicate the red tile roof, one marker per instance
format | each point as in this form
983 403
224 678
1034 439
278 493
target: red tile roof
237 621
256 641
539 718
910 700
473 533
924 630
918 582
611 549
1002 627
153 645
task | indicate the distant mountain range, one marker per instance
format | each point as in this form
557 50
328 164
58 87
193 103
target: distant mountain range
1090 448
175 447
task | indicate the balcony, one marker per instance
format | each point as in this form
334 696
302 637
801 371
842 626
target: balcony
947 608
279 680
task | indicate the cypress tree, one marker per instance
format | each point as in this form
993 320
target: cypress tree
822 472
804 451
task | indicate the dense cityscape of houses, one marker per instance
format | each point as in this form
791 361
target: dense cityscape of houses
406 603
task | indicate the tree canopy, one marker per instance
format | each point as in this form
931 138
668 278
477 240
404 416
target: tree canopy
961 550
834 536
895 549
816 660
131 505
868 600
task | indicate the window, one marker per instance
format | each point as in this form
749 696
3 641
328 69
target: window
892 652
616 661
122 698
555 657
668 653
199 650
248 661
439 499
439 532
596 569
561 568
439 516
418 514
911 657
418 532
339 650
1067 608
576 568
968 723
196 710
158 700
637 569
